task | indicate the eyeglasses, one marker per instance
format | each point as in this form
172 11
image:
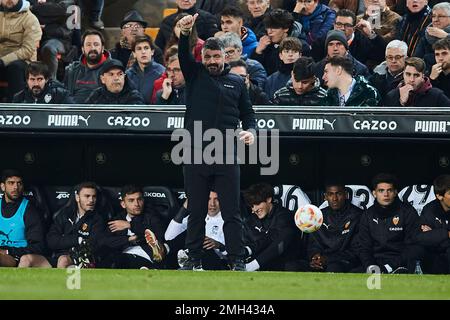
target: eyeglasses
394 58
438 17
346 25
134 26
174 70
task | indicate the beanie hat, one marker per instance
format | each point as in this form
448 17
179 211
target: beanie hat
336 35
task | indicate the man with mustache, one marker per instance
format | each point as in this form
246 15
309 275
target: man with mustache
22 241
41 88
115 88
82 76
215 99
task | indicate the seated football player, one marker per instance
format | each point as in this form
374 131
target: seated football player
435 229
136 234
76 235
270 234
388 230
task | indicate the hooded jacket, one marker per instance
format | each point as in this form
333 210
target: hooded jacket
385 232
80 80
53 93
20 33
287 96
425 96
362 95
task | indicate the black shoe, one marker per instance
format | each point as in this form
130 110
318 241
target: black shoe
237 265
191 264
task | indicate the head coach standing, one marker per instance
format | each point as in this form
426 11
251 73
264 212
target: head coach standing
215 99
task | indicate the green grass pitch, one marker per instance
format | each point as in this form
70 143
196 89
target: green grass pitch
220 285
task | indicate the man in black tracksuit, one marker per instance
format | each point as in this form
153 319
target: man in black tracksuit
41 88
270 233
388 230
333 248
134 233
78 230
22 241
435 229
215 99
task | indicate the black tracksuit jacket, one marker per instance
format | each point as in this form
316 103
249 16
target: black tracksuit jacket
218 101
118 241
384 233
336 238
272 240
437 240
34 230
64 232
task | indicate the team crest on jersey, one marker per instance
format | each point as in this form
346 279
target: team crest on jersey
347 225
395 220
84 227
48 98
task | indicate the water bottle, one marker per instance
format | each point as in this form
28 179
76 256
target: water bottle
418 269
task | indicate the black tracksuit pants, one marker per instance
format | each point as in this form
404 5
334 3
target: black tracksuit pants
198 180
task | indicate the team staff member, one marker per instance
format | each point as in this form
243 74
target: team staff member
215 98
388 230
21 231
435 229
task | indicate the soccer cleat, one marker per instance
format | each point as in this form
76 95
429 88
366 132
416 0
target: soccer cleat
182 257
190 264
158 250
237 265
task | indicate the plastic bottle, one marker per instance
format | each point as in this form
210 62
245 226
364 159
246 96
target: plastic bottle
418 269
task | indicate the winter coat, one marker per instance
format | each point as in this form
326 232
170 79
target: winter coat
20 33
128 95
362 95
53 93
383 81
437 239
424 97
287 96
412 28
249 41
143 81
387 26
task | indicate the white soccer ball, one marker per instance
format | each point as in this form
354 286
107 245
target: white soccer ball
308 218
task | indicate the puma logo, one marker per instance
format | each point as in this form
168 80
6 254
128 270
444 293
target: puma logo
326 225
84 119
6 235
375 220
259 229
331 124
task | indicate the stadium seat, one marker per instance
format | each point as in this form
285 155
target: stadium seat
57 197
290 196
417 195
114 196
162 200
152 32
359 195
169 11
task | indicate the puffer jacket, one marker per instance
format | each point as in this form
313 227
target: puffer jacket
363 94
53 93
20 33
287 96
127 96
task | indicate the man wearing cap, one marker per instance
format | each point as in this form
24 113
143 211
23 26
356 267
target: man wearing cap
215 99
336 45
304 87
81 77
115 89
132 26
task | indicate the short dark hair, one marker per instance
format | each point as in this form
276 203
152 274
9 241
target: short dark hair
92 32
279 19
334 183
290 43
232 11
8 173
238 63
343 62
441 184
258 193
415 62
213 44
442 44
141 39
130 189
346 13
303 68
384 178
86 185
36 68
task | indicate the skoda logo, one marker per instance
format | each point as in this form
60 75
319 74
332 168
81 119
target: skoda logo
100 158
294 159
29 158
443 162
366 160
